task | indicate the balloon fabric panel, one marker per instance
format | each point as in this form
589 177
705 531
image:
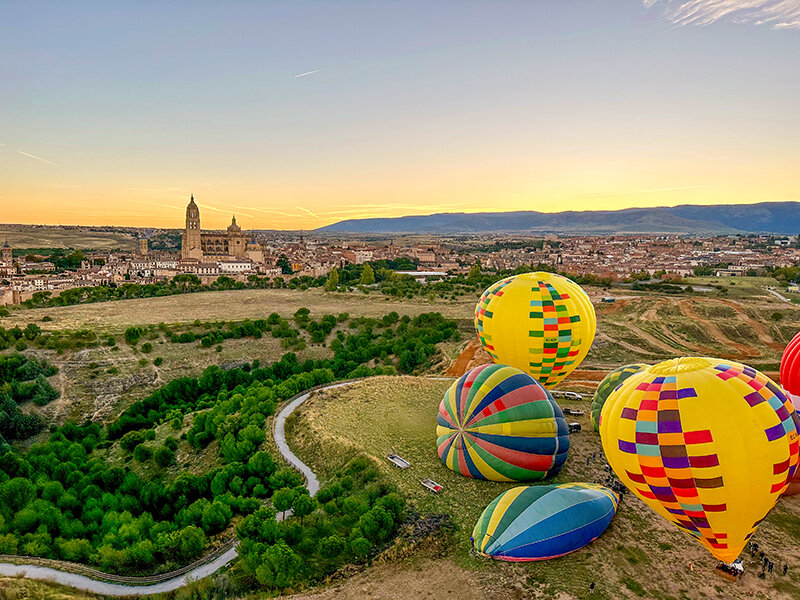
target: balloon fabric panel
709 445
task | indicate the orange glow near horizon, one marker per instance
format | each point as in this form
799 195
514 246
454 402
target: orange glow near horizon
486 188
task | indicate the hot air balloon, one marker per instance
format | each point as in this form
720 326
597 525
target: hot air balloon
790 369
790 380
708 444
541 323
497 422
538 522
609 383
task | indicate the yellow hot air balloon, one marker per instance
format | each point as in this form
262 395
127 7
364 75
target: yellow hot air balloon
708 444
542 323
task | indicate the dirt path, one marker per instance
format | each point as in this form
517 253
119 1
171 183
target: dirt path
758 327
713 329
651 339
461 364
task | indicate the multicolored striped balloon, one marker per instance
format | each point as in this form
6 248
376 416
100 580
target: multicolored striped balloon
542 323
708 444
538 522
608 385
497 422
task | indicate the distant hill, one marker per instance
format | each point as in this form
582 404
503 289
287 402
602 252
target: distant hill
766 217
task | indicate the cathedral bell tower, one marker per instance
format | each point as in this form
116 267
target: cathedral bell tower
191 246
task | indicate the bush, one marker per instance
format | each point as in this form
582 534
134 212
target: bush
158 361
132 335
147 347
164 456
142 453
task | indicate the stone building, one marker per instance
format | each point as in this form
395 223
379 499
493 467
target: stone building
209 246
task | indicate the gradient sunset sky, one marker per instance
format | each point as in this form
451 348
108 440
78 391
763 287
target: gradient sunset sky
299 114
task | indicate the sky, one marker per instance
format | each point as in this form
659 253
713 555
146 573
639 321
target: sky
297 114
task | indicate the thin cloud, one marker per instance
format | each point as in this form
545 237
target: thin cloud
305 210
2 144
33 156
307 73
226 210
653 190
777 14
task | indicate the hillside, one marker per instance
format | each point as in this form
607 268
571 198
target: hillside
771 217
639 556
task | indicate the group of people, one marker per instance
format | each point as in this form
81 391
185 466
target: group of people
767 566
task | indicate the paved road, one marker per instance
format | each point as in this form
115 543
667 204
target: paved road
777 295
82 582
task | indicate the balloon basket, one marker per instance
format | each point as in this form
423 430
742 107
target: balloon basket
729 572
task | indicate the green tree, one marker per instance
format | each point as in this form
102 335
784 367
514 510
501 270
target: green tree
215 517
332 282
367 275
360 547
474 272
191 541
142 453
132 335
280 566
332 546
164 456
303 505
282 499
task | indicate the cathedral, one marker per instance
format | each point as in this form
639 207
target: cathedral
209 246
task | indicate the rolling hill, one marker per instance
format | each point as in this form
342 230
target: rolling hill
767 217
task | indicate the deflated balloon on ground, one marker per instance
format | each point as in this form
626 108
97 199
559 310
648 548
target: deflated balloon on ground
543 521
497 422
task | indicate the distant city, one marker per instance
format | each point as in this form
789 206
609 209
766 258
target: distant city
275 258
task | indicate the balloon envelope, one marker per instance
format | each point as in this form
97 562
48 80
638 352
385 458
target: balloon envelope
541 323
543 521
609 383
790 368
708 444
497 422
790 380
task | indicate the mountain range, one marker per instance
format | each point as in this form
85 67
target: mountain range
765 217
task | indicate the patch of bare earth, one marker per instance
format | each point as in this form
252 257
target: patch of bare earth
400 581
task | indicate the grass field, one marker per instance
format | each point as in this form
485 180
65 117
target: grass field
640 555
232 305
643 328
43 236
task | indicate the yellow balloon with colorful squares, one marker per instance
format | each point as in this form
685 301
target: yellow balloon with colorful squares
542 323
708 444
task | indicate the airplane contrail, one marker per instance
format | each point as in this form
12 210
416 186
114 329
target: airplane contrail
307 73
33 156
305 210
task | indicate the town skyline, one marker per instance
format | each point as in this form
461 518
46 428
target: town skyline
295 117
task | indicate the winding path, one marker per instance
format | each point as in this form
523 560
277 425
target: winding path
208 565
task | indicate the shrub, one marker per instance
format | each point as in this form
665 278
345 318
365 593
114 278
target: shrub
142 453
164 456
132 335
158 361
147 347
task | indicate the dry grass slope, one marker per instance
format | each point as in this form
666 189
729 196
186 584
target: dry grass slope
640 555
